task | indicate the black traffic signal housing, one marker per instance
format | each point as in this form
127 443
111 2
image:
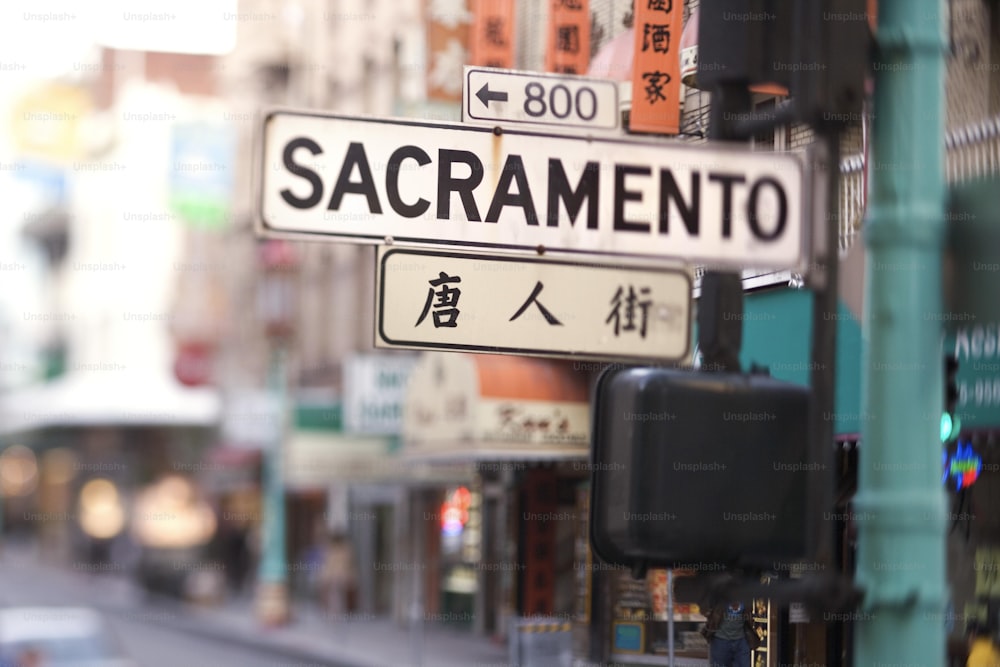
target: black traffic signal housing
973 244
701 469
820 50
951 425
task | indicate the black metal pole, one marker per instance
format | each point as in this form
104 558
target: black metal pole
720 308
823 282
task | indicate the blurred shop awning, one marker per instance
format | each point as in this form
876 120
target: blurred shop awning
229 470
482 407
476 452
316 459
107 399
614 59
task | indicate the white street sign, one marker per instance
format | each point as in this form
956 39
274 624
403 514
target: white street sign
493 95
439 299
371 180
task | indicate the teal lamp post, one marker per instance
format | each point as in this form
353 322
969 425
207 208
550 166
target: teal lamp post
900 503
277 295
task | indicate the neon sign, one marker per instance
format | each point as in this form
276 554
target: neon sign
455 511
963 466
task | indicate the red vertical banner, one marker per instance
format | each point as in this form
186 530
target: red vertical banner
568 47
491 39
447 54
656 69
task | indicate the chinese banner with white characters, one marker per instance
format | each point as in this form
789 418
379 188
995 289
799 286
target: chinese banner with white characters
447 36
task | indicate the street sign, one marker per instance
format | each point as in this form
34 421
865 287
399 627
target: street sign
492 96
975 345
374 392
368 180
439 299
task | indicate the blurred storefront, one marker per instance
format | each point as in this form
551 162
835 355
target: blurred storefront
323 469
498 543
84 427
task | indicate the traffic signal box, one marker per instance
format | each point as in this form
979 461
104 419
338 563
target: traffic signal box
701 469
972 266
817 49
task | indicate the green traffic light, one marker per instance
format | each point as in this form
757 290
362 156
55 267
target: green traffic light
950 427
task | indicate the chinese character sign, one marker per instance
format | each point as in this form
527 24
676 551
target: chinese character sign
447 38
491 42
568 48
656 76
630 312
446 304
430 299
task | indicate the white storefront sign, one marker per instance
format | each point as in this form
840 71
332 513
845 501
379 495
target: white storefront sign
374 392
434 299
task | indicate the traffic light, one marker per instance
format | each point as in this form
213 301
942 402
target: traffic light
951 425
701 468
971 275
818 49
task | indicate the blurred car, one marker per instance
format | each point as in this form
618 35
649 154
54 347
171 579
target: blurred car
58 637
173 527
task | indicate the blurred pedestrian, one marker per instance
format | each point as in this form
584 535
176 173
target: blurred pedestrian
730 634
236 555
982 649
314 557
337 576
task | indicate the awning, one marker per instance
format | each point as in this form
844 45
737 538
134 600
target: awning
777 326
315 460
228 469
96 398
474 408
614 59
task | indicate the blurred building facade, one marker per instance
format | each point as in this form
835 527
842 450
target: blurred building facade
488 577
98 399
458 511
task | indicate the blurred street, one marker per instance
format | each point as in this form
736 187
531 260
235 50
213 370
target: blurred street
157 631
154 635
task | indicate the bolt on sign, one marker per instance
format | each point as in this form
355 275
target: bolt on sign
491 42
447 37
568 48
656 72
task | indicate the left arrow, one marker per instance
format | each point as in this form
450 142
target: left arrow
485 95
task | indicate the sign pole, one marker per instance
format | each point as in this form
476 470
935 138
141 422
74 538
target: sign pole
720 311
272 572
823 353
900 502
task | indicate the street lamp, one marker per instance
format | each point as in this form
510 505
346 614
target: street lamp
276 300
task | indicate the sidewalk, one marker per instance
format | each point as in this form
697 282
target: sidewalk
311 638
352 643
357 642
